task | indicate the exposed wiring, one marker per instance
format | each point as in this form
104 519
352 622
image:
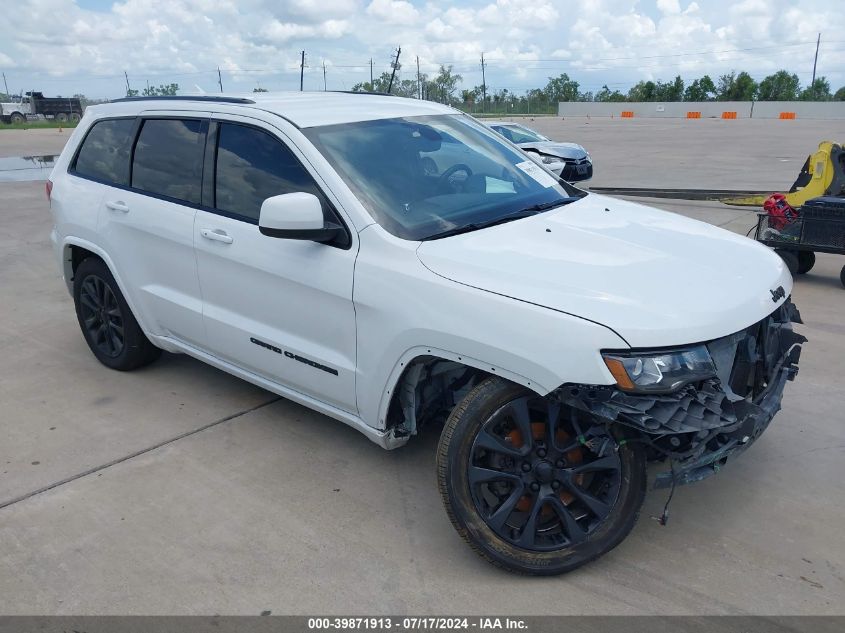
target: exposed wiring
663 519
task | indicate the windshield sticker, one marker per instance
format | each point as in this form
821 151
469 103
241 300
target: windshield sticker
494 185
537 173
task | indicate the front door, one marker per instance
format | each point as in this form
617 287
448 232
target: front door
276 307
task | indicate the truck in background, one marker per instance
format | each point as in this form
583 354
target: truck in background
36 105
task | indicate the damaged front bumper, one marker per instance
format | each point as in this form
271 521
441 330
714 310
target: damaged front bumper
701 426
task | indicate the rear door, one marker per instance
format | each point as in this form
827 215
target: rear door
149 224
279 308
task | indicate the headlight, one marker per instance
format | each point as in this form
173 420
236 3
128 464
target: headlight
550 159
659 372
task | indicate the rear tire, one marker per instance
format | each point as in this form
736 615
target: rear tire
806 261
545 506
842 276
107 323
790 259
75 117
61 116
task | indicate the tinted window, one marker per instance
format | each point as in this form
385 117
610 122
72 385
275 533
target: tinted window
253 166
419 187
105 152
168 158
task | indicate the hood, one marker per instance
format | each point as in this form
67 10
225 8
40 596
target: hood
655 278
553 148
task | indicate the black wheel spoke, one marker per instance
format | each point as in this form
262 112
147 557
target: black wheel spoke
552 419
503 512
86 300
114 339
529 531
492 443
574 532
518 410
100 334
598 507
608 462
478 475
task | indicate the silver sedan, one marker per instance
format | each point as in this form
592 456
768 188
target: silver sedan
569 160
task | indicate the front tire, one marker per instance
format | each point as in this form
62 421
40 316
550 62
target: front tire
17 118
534 487
107 323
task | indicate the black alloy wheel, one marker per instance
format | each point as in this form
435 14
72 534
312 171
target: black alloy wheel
539 481
101 316
534 486
107 322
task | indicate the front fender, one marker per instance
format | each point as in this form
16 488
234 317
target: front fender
403 310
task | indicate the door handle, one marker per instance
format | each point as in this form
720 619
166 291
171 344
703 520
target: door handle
217 235
117 205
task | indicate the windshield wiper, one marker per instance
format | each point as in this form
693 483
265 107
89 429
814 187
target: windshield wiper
534 209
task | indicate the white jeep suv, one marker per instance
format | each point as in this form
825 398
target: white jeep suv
395 265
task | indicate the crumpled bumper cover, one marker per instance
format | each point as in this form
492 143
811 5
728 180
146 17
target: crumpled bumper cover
700 426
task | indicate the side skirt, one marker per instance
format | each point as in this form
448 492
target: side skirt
385 439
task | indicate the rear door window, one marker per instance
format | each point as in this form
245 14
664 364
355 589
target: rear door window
168 158
252 166
104 154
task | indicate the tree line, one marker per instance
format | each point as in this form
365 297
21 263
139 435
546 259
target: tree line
732 86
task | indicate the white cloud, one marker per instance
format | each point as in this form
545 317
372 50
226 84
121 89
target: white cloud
669 6
393 11
59 47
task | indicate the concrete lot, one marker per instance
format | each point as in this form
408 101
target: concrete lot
696 153
178 489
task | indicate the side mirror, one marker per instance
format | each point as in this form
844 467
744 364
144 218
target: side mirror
296 216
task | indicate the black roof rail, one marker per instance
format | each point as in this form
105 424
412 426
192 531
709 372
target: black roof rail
211 98
363 92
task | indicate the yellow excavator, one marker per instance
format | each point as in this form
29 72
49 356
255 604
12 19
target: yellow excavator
823 174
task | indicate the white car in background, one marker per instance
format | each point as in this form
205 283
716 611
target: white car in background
320 245
570 161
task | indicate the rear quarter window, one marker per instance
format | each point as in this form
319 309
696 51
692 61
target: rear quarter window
168 158
104 154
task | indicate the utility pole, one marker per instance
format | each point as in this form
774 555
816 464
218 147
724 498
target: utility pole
419 79
128 90
815 60
371 75
5 84
483 85
395 65
220 79
302 72
324 76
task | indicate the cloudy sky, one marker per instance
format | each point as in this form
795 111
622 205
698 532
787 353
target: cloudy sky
69 46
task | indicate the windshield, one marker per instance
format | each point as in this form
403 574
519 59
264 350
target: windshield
518 134
421 177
